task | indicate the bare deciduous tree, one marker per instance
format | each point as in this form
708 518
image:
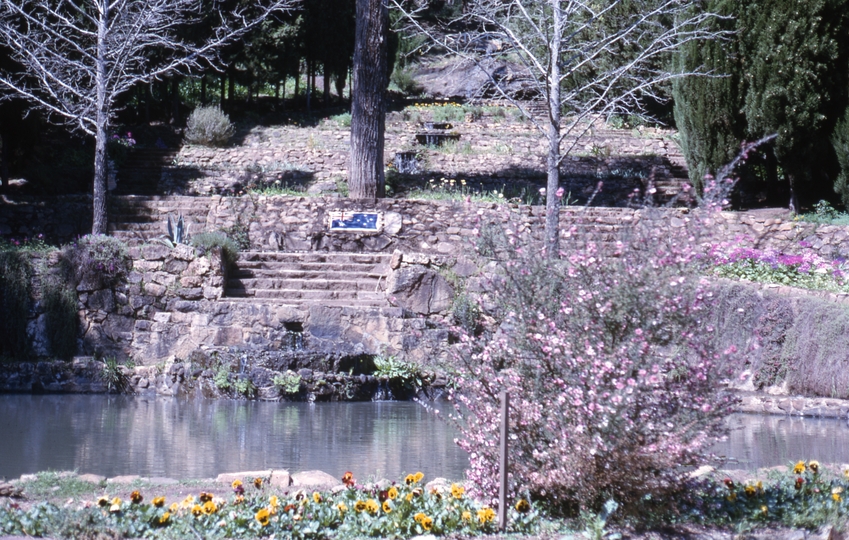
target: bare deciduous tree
584 59
79 56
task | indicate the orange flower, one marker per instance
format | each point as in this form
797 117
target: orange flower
387 507
136 497
197 510
209 508
258 483
348 479
163 520
522 506
204 497
392 493
159 502
457 491
316 497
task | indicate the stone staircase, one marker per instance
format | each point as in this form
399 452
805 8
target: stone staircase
327 279
139 219
142 169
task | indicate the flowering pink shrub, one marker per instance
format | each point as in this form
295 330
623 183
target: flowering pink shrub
610 370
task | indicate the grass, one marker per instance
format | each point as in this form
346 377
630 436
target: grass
460 190
824 214
59 486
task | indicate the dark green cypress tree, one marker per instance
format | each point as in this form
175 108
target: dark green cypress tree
840 143
794 64
707 107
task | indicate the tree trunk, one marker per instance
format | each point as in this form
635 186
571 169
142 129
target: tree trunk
4 160
326 101
223 91
340 85
203 89
99 190
368 105
231 89
297 81
175 100
310 83
552 201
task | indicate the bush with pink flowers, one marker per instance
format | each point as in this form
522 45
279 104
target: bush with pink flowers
611 372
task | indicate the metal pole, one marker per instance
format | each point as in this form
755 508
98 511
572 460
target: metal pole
502 455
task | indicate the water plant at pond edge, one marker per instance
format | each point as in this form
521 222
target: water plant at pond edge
806 269
407 374
400 510
113 375
288 382
611 374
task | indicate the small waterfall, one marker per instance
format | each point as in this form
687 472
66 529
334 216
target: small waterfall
383 393
293 341
406 163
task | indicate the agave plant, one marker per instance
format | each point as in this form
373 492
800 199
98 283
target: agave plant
178 232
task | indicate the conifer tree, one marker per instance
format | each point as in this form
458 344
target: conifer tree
707 108
794 62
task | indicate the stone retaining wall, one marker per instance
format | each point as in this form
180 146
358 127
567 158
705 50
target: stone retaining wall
447 227
435 227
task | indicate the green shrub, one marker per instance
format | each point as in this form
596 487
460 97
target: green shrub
206 241
448 113
59 301
405 82
344 119
208 126
15 274
466 313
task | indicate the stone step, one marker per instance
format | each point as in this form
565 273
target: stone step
248 257
332 272
318 284
304 304
317 296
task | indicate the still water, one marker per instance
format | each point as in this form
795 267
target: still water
167 437
156 437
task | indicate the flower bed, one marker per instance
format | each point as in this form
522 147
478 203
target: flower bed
400 509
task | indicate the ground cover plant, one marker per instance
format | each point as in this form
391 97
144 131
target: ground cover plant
805 269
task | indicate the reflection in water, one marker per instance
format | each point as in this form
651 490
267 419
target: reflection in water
766 441
116 435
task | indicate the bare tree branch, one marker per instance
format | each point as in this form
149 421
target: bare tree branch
79 56
586 59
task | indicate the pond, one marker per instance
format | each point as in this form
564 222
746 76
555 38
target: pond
168 437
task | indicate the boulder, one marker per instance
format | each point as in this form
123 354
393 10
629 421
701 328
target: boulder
420 290
315 479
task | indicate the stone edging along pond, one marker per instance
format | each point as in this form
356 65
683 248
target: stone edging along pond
84 376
